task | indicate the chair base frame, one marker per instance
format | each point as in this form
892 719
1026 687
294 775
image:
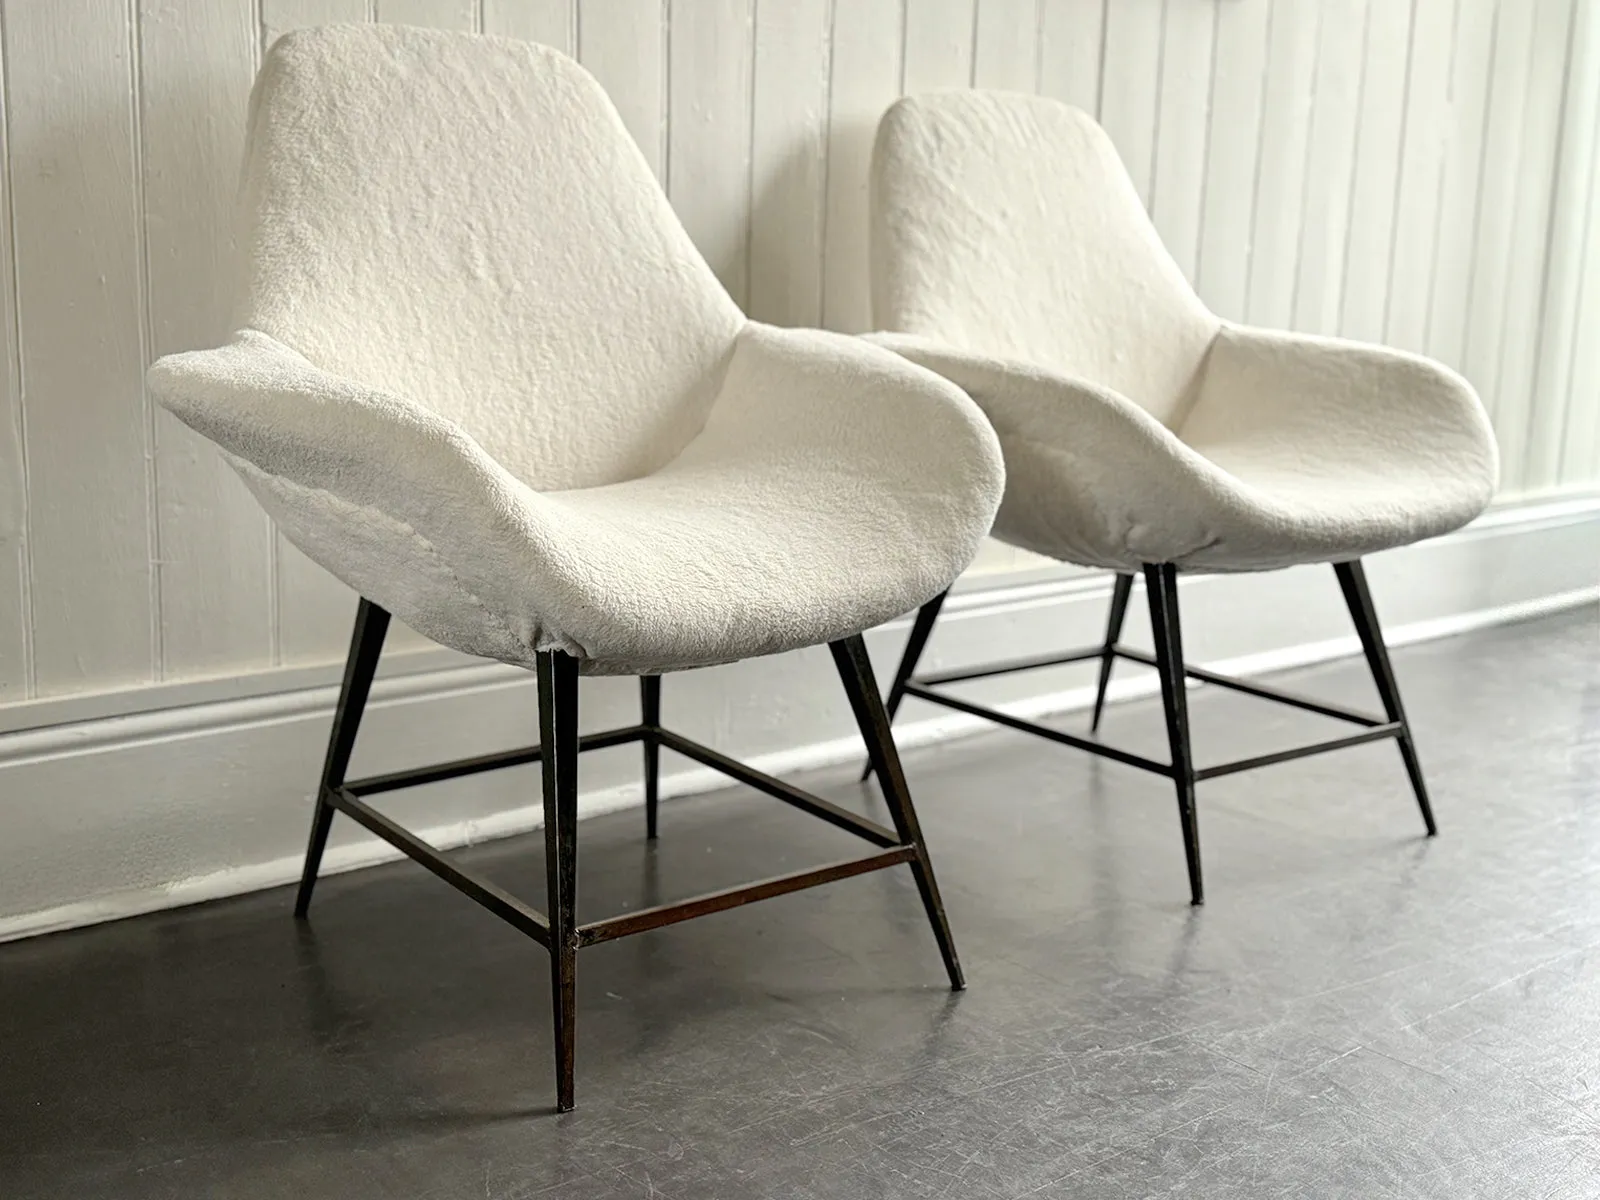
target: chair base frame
557 752
1161 587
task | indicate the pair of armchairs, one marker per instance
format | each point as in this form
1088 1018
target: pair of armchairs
483 376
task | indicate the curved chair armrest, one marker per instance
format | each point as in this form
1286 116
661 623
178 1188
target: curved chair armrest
1093 477
399 502
1270 397
816 432
842 480
1025 400
267 404
830 404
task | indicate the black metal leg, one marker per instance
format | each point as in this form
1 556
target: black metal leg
1161 582
855 672
1358 598
1119 610
558 738
366 644
921 628
650 715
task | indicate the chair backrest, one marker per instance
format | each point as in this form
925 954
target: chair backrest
465 221
1006 224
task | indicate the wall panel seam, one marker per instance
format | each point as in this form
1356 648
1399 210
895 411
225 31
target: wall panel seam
1355 161
972 34
1305 172
1161 87
905 35
146 335
1205 153
1580 298
1483 173
750 162
1400 161
1038 49
1100 80
666 93
30 681
827 161
1509 269
1444 164
1561 167
1255 186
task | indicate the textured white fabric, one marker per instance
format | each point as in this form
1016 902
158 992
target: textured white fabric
1005 224
465 222
483 376
1011 254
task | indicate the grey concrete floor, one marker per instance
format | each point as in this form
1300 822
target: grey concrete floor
1356 1012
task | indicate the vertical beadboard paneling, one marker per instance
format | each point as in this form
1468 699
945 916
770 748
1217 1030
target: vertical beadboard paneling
1419 199
1454 263
1280 168
1580 434
1182 125
1330 166
623 44
1571 213
72 116
1525 281
16 652
278 17
789 125
1005 50
864 80
1223 269
1497 200
549 22
1130 86
938 44
433 14
710 52
1381 118
1417 171
1071 43
198 57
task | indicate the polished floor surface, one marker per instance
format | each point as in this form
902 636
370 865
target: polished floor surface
1357 1012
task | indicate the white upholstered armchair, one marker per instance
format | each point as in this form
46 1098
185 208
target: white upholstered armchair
483 376
1142 433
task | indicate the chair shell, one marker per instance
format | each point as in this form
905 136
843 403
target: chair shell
482 375
1011 254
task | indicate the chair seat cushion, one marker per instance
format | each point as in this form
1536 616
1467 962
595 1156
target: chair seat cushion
833 487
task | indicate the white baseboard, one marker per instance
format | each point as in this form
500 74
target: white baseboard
125 811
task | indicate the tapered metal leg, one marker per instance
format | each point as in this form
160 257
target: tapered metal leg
855 672
1161 582
558 737
921 628
650 714
1119 609
366 644
1358 598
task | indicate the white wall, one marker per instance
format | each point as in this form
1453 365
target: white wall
1421 172
1418 171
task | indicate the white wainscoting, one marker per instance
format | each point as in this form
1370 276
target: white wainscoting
111 808
1415 171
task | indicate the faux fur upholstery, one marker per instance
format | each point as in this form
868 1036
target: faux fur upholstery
1011 254
483 376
